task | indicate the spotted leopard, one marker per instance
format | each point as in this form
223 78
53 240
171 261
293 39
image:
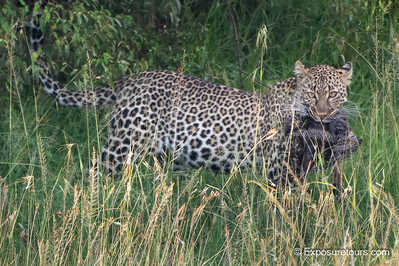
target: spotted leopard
199 123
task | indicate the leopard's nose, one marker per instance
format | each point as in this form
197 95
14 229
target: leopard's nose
322 116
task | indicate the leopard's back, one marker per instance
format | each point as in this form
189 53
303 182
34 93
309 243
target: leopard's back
200 123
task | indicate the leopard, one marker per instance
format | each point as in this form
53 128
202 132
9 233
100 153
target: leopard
203 124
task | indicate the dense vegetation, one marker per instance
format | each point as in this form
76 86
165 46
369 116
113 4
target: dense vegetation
53 210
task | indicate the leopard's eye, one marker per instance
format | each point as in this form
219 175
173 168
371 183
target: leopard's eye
333 94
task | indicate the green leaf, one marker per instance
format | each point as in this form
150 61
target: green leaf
35 56
5 26
106 57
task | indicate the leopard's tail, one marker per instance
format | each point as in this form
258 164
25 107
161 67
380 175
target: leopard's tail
97 97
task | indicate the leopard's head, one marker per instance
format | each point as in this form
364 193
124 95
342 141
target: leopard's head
322 89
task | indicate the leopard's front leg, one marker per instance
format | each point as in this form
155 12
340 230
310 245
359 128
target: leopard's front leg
278 173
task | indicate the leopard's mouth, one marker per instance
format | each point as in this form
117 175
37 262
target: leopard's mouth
322 117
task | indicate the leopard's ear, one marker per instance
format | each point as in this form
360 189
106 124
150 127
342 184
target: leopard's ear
346 73
300 70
